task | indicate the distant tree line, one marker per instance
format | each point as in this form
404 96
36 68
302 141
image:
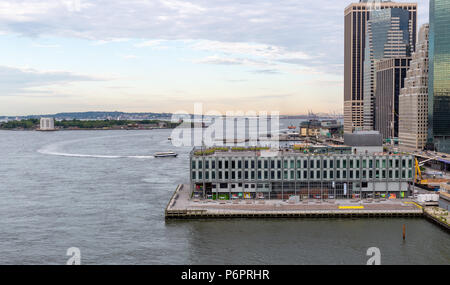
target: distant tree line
22 124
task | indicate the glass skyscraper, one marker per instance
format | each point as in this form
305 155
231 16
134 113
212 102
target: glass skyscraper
387 36
439 76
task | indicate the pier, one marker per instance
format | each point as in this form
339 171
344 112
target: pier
181 206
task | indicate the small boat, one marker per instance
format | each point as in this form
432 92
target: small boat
291 127
166 154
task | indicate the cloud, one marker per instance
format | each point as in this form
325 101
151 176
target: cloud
22 81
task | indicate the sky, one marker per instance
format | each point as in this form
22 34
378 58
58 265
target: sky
167 55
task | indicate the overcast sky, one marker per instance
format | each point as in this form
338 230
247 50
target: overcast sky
166 55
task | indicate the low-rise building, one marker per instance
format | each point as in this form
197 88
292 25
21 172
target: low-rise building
224 173
47 124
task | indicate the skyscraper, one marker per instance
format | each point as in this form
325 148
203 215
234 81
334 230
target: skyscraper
356 17
387 36
390 78
439 76
413 109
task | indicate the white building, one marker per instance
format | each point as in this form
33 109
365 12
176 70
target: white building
413 99
47 124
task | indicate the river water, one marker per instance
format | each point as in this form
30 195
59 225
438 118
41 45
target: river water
103 192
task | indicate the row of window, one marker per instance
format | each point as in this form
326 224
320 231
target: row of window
302 174
340 163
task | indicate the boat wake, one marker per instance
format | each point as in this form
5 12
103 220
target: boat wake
53 149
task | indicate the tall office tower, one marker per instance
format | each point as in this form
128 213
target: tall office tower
413 100
356 17
387 36
390 77
439 76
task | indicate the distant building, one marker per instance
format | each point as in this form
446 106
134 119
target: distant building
439 76
47 124
364 142
355 23
413 100
390 77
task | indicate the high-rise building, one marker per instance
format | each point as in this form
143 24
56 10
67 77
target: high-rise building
356 17
439 76
387 36
413 100
390 77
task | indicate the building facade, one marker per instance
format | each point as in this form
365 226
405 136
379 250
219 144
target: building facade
47 124
228 174
439 76
413 100
356 17
390 78
387 36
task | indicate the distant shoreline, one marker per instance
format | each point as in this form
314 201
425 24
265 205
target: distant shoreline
94 125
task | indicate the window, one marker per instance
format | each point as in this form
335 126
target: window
325 164
344 174
324 175
318 164
331 163
311 164
285 175
200 175
299 174
299 163
285 164
233 164
213 175
213 164
338 164
207 175
318 174
344 163
200 164
193 175
193 165
266 164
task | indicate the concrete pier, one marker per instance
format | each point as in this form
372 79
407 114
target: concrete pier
181 206
438 216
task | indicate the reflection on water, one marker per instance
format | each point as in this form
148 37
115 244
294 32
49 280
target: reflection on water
93 190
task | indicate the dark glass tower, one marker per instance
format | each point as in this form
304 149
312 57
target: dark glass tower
439 76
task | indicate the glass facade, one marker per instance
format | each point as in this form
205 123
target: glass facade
388 36
439 75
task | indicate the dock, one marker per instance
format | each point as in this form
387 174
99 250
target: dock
438 216
181 206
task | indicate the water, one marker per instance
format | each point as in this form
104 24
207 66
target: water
103 192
